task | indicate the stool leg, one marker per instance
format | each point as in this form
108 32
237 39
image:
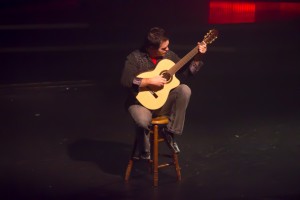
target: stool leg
155 155
130 163
177 168
128 170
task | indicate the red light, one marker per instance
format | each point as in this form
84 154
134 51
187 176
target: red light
223 12
228 12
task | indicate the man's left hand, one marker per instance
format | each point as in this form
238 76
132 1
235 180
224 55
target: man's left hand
202 47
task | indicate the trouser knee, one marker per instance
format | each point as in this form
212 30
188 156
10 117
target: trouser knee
143 123
184 91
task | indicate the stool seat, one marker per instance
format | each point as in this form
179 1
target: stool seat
157 123
160 120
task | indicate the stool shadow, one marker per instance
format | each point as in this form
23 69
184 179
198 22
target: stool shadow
111 157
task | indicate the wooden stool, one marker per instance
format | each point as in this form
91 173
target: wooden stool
155 140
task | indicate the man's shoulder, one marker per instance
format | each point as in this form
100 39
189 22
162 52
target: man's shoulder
137 54
172 55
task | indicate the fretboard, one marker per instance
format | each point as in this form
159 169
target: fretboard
183 61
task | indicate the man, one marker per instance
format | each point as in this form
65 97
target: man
154 49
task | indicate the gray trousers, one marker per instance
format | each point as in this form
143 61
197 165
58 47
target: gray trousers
175 108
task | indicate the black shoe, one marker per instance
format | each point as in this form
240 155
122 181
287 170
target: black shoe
169 137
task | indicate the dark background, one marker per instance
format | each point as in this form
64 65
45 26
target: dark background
65 134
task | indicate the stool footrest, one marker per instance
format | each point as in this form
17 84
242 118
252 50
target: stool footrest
165 165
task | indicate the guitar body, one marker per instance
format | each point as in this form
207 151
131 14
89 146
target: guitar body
155 99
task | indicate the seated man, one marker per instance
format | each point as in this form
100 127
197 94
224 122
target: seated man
154 49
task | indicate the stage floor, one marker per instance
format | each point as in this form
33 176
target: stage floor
67 141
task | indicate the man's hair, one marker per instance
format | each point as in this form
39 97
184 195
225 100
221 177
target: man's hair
155 37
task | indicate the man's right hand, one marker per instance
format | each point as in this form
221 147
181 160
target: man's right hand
157 81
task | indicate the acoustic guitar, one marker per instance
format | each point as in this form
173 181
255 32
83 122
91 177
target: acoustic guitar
155 98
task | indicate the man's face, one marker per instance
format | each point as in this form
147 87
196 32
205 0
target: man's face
164 47
161 51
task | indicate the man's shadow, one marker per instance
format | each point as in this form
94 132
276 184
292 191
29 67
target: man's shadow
111 157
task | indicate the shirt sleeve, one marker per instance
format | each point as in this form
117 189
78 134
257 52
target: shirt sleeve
137 81
195 67
129 72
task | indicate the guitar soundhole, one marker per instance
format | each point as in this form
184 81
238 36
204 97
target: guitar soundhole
167 76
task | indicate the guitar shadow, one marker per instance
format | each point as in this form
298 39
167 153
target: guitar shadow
111 157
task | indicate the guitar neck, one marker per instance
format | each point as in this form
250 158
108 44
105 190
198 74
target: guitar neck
183 61
208 39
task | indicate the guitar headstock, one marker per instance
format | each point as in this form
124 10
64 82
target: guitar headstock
211 36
